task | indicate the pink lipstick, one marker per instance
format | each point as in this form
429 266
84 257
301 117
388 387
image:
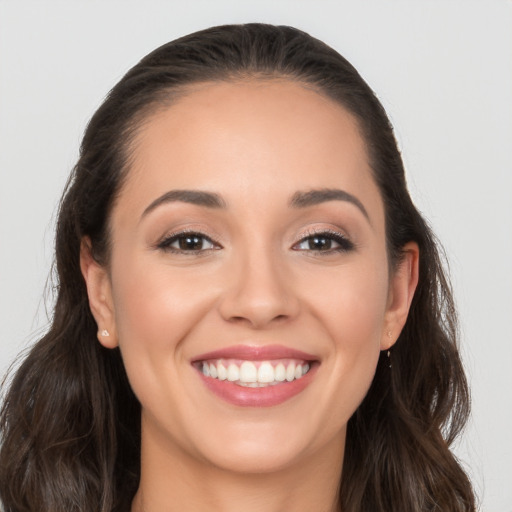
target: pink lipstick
256 376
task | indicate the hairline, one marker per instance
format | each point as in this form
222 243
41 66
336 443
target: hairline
168 96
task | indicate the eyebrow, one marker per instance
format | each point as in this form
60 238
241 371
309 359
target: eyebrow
197 197
298 200
314 197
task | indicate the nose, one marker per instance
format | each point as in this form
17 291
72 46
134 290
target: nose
259 292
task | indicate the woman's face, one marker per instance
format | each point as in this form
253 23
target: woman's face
248 287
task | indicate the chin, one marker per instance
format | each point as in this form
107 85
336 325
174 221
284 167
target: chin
262 447
256 458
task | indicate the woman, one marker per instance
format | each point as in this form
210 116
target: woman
251 312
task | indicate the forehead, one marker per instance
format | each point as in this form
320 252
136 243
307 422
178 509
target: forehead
247 138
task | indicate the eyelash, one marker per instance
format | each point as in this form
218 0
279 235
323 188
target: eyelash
166 243
345 245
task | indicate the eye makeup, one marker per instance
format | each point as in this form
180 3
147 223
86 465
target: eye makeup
188 242
324 241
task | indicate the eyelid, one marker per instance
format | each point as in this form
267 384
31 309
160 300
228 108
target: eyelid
165 242
344 242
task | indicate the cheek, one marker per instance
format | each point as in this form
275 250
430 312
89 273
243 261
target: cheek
155 309
350 302
357 326
350 306
153 302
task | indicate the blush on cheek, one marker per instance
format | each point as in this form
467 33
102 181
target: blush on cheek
156 309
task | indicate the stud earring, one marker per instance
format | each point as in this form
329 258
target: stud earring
390 335
105 333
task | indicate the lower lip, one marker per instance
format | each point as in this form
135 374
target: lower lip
257 397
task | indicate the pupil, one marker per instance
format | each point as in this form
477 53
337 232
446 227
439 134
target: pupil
320 243
191 243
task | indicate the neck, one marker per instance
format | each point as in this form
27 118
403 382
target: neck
172 482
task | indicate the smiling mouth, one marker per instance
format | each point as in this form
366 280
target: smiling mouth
255 374
248 375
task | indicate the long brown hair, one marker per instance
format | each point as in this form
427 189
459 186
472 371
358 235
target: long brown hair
70 424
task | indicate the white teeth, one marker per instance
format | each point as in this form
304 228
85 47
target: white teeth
222 373
266 373
280 372
290 372
248 372
255 374
233 373
255 384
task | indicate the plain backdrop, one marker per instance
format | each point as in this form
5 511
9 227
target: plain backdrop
443 70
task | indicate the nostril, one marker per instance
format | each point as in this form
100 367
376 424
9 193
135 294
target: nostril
257 300
258 320
238 319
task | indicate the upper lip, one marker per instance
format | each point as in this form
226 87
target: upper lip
256 353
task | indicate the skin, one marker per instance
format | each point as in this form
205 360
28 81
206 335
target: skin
255 144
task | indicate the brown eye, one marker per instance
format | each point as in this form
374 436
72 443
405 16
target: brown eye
324 242
318 243
190 242
187 242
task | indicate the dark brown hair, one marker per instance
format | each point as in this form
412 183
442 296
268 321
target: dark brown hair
70 423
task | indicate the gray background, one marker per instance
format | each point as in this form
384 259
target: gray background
443 70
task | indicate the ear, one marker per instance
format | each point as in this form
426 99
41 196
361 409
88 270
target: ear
99 291
402 286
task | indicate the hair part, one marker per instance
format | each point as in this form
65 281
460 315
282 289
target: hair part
70 423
